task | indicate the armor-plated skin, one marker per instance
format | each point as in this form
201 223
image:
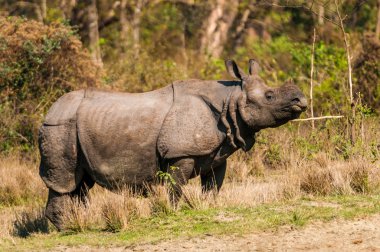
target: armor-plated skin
122 139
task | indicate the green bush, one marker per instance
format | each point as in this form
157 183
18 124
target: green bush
38 63
282 59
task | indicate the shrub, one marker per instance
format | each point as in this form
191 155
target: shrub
367 72
38 63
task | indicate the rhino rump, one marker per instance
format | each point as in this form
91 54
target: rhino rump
59 167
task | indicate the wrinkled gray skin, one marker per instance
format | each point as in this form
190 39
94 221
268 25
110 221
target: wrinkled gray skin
123 139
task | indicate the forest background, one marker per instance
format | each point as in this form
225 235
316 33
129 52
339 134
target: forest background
142 45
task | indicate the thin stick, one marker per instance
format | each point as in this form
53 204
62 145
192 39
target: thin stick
317 118
347 47
311 82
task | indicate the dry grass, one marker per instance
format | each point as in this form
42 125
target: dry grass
20 182
113 211
337 177
265 175
22 194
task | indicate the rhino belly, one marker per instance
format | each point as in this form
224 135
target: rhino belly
119 136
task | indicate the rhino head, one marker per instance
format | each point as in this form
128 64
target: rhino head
261 106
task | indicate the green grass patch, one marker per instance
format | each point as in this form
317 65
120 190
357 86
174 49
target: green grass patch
213 221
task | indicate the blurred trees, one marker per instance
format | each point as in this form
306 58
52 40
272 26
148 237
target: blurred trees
93 31
145 44
213 27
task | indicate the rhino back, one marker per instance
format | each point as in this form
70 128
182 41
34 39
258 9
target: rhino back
118 135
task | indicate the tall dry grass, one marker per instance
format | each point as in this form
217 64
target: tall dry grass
19 182
113 212
286 163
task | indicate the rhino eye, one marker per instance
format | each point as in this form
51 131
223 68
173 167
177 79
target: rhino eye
269 96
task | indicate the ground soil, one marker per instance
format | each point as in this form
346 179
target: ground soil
339 235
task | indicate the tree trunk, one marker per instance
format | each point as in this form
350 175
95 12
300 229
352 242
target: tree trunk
378 21
238 35
136 21
321 14
217 25
185 58
123 23
93 33
43 9
123 20
67 7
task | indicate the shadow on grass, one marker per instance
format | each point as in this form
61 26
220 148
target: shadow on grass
29 222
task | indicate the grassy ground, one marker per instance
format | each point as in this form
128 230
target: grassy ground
212 221
291 178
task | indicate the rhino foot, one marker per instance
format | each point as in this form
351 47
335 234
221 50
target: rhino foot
57 203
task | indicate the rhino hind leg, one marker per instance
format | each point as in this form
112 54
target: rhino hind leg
63 169
61 163
59 204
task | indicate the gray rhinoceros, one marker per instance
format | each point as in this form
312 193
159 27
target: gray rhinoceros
117 139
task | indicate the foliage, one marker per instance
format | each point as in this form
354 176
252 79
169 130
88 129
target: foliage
283 59
367 72
142 74
166 177
41 62
38 63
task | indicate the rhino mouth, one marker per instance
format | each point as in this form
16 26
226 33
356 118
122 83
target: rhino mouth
298 108
295 108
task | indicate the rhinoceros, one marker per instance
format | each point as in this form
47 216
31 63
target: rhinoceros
120 139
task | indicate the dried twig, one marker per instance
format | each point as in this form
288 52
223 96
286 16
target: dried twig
311 82
23 138
317 118
347 48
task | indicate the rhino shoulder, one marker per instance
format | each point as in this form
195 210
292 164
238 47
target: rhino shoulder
190 128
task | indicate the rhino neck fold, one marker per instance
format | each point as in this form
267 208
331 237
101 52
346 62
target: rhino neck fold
225 99
235 120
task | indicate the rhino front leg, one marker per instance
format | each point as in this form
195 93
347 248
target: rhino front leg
214 178
55 206
180 170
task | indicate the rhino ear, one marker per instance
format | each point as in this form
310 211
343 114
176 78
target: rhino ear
254 67
289 82
234 70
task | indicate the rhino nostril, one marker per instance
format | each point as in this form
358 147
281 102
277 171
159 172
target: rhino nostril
296 100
